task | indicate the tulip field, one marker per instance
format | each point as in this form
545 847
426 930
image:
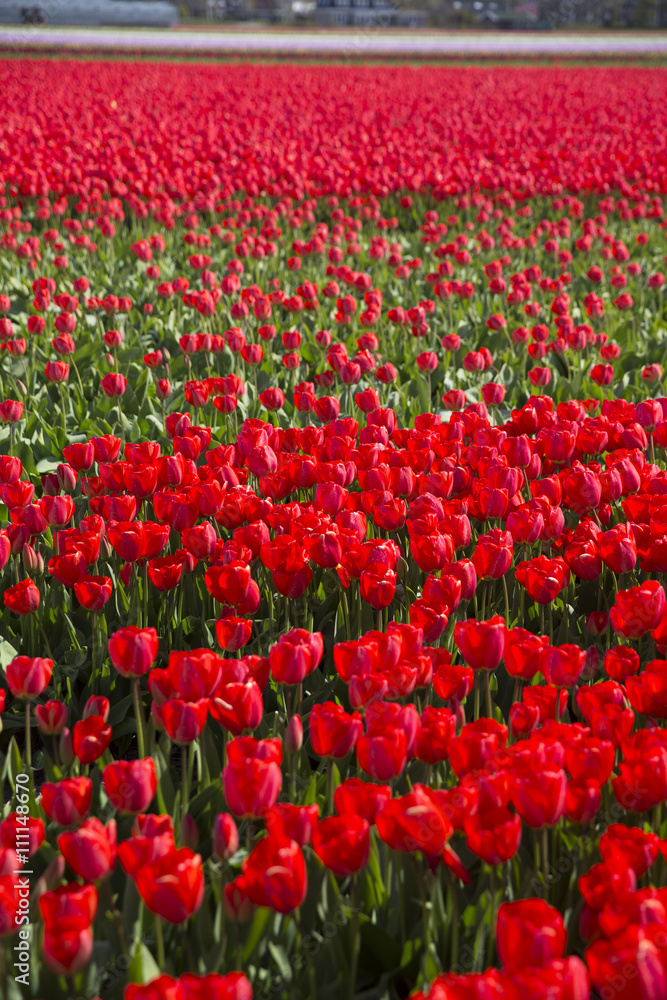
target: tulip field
333 532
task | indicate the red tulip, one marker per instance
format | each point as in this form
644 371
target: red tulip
114 384
238 706
275 875
74 902
225 836
91 737
493 835
182 720
67 947
415 822
173 886
362 798
333 732
28 676
90 851
130 785
295 655
529 932
68 801
22 598
481 642
93 592
133 650
342 844
638 610
251 785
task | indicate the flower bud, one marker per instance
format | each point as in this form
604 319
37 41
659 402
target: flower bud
597 623
236 903
50 484
51 718
67 477
21 387
66 747
189 836
53 873
163 388
33 562
293 739
225 836
97 704
591 664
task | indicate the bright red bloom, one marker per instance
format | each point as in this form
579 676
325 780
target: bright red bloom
91 737
28 676
362 798
251 785
543 578
93 592
562 665
114 384
481 643
295 655
67 802
492 556
22 598
133 650
90 851
182 720
275 875
173 885
333 732
493 835
130 784
529 932
638 610
415 822
342 844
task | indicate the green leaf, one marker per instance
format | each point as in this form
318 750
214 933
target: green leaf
143 967
259 922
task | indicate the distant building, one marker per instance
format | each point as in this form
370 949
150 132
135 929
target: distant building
91 13
367 14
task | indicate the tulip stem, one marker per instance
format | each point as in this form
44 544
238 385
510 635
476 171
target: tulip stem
425 910
145 592
346 612
476 684
3 970
94 651
185 794
454 923
487 691
355 935
117 919
545 860
309 963
62 410
28 745
494 910
507 603
159 940
330 788
138 714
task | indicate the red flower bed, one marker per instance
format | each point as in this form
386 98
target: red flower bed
332 470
